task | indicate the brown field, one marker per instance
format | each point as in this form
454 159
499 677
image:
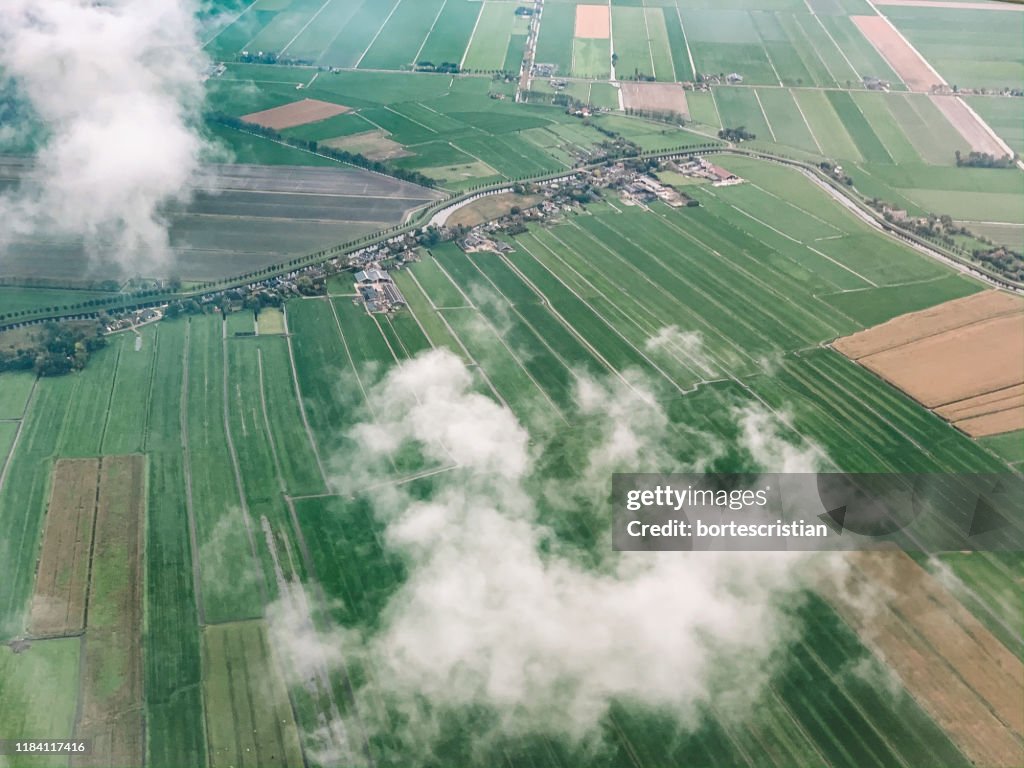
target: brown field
58 604
296 113
908 63
970 126
655 97
490 207
950 663
375 145
963 358
965 6
111 708
593 21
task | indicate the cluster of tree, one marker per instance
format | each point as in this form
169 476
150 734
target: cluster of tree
1002 260
446 67
983 160
60 348
835 172
352 158
271 57
661 115
642 77
736 134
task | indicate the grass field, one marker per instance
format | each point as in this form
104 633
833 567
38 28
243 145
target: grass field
238 490
249 719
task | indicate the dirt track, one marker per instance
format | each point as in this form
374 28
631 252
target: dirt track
963 358
296 113
593 21
949 662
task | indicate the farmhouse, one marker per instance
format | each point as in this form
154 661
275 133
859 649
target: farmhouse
378 291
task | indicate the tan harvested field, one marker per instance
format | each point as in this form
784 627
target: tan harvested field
491 207
296 113
111 705
997 423
58 604
375 145
655 97
952 4
963 358
907 62
970 125
593 21
949 662
270 321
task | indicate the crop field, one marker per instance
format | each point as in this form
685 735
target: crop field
973 49
495 29
111 703
249 718
554 44
36 682
238 229
223 427
58 605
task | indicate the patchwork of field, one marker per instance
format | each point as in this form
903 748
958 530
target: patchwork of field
978 343
234 222
244 435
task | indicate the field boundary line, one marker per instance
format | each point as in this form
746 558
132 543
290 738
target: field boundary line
768 56
671 56
430 31
804 118
472 35
689 54
714 102
527 323
231 23
304 27
650 49
838 47
149 395
546 303
377 34
302 403
880 140
242 500
654 320
351 360
614 330
410 119
767 122
193 536
17 434
508 349
813 47
266 420
110 395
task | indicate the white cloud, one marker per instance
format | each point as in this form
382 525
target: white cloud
118 86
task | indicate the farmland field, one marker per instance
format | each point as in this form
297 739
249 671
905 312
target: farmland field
289 525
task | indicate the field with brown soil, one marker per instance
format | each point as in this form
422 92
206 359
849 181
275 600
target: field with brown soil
655 97
907 62
593 21
296 113
111 710
490 207
58 604
970 126
949 662
375 145
963 358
